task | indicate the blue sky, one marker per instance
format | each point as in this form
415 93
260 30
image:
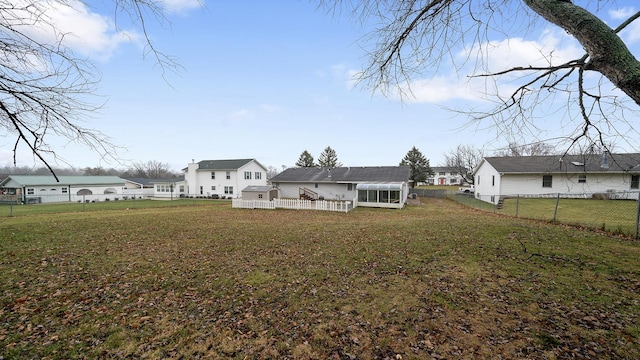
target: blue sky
268 81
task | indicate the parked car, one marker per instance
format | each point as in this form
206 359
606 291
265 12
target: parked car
469 189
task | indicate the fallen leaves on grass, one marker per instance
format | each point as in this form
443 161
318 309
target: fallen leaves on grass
371 284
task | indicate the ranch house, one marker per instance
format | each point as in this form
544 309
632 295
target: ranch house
382 186
568 175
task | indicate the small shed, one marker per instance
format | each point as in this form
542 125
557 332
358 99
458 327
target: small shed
254 192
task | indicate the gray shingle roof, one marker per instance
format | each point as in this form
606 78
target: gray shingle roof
35 180
256 188
231 164
568 163
381 174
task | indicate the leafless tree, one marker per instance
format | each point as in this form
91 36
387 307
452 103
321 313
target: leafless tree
534 149
45 89
464 158
413 38
151 169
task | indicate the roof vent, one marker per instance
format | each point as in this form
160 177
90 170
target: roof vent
605 161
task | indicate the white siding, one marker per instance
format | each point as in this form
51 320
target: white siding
531 184
328 191
487 183
200 183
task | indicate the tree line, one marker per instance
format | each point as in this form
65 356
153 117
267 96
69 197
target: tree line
151 169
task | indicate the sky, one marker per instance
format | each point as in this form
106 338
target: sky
268 80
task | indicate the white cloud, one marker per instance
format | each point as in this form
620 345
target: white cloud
552 47
239 114
179 6
268 108
622 13
631 34
71 22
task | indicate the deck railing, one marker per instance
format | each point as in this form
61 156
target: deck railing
294 204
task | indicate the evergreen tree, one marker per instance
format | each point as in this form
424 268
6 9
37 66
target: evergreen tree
305 160
328 158
420 168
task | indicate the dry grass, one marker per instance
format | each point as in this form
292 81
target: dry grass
213 282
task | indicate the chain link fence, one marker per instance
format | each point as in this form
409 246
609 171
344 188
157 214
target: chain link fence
613 212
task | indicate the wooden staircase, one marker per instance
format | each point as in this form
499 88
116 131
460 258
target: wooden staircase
500 204
306 194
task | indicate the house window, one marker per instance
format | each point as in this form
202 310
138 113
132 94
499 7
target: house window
493 181
582 178
547 181
182 188
453 181
228 189
442 173
201 190
247 175
213 175
362 195
315 185
372 196
349 187
259 196
64 190
213 188
635 181
478 180
258 175
30 191
228 175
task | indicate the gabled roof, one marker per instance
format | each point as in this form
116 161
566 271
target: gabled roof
231 164
593 163
256 188
379 174
444 168
37 180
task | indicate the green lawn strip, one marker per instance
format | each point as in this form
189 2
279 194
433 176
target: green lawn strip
615 216
7 210
213 281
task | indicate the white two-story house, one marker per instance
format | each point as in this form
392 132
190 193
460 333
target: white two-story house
219 178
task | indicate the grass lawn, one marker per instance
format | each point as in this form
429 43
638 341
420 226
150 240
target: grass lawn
615 216
430 281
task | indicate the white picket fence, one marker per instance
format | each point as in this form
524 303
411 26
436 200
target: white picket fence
294 204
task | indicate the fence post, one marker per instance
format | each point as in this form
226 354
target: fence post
555 212
637 217
517 204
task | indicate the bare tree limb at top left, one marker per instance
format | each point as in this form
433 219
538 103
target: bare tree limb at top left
47 91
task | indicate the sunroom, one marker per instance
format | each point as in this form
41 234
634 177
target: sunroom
385 195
